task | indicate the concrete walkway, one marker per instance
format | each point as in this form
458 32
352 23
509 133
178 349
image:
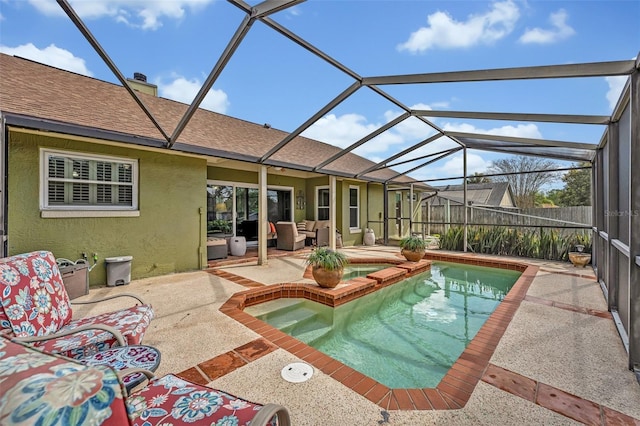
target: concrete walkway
560 360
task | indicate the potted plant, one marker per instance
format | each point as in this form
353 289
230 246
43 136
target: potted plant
579 257
327 266
412 248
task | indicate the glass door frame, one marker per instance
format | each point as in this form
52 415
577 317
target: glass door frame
236 185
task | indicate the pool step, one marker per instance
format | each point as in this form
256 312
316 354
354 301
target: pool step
310 329
273 306
289 316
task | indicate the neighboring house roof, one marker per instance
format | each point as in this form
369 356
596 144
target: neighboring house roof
58 100
496 194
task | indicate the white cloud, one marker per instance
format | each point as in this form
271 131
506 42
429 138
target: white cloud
146 14
184 90
616 84
344 130
50 55
520 131
452 166
449 166
446 33
560 30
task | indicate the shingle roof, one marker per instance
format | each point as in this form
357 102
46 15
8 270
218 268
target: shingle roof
31 89
488 194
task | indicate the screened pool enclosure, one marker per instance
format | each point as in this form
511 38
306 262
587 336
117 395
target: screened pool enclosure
615 223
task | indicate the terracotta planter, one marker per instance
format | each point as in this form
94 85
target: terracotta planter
579 259
327 279
412 256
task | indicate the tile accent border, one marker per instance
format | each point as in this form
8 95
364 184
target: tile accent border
554 399
455 388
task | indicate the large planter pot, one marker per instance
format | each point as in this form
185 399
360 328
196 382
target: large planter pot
579 259
325 278
412 256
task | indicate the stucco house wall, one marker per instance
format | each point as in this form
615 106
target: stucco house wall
165 238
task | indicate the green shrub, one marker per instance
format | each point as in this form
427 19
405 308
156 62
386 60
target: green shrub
413 243
324 257
538 244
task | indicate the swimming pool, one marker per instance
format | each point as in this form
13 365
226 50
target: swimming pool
406 335
354 270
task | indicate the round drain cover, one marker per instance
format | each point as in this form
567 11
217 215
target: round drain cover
297 372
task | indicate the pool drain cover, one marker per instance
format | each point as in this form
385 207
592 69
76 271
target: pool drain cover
297 372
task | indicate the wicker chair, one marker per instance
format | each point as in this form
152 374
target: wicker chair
288 237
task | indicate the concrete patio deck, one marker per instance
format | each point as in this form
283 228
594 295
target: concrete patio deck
560 360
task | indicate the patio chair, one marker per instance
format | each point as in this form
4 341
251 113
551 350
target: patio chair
288 237
42 388
35 308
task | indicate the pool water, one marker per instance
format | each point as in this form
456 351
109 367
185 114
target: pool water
355 270
406 335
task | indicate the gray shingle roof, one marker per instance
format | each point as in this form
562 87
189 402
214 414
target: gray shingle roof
487 194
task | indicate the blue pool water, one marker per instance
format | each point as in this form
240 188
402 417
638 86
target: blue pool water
406 335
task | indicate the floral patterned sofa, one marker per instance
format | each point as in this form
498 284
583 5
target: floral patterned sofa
35 307
46 389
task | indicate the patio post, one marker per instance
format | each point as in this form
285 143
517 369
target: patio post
262 215
332 212
634 227
385 207
410 209
611 205
464 197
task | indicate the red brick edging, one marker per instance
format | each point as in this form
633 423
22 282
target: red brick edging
456 386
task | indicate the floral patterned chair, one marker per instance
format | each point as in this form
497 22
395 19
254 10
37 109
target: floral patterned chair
41 388
35 308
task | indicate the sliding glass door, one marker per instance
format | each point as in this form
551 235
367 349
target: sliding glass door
232 209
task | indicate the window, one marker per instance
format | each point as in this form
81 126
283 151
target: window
322 212
354 207
87 182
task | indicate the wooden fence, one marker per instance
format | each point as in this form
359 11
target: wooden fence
559 217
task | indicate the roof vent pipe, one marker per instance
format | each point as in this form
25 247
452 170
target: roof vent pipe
139 76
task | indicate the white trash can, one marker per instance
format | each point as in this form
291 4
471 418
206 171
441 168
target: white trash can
118 270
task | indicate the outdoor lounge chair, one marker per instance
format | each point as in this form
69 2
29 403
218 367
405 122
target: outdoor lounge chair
288 237
35 308
42 388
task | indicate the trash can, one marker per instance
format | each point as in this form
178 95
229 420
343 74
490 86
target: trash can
75 277
118 270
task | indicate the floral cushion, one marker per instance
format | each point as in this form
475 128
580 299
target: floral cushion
38 388
170 400
34 300
131 322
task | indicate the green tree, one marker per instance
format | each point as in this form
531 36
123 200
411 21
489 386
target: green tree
554 196
478 178
525 185
577 187
541 199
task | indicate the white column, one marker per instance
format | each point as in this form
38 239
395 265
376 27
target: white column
332 212
262 215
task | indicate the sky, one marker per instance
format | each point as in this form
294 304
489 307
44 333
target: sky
270 79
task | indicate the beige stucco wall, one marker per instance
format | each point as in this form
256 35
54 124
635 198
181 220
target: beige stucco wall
165 238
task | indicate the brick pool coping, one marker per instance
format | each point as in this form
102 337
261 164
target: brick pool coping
455 388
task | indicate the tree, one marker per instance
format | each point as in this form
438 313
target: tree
478 178
542 200
525 185
577 187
